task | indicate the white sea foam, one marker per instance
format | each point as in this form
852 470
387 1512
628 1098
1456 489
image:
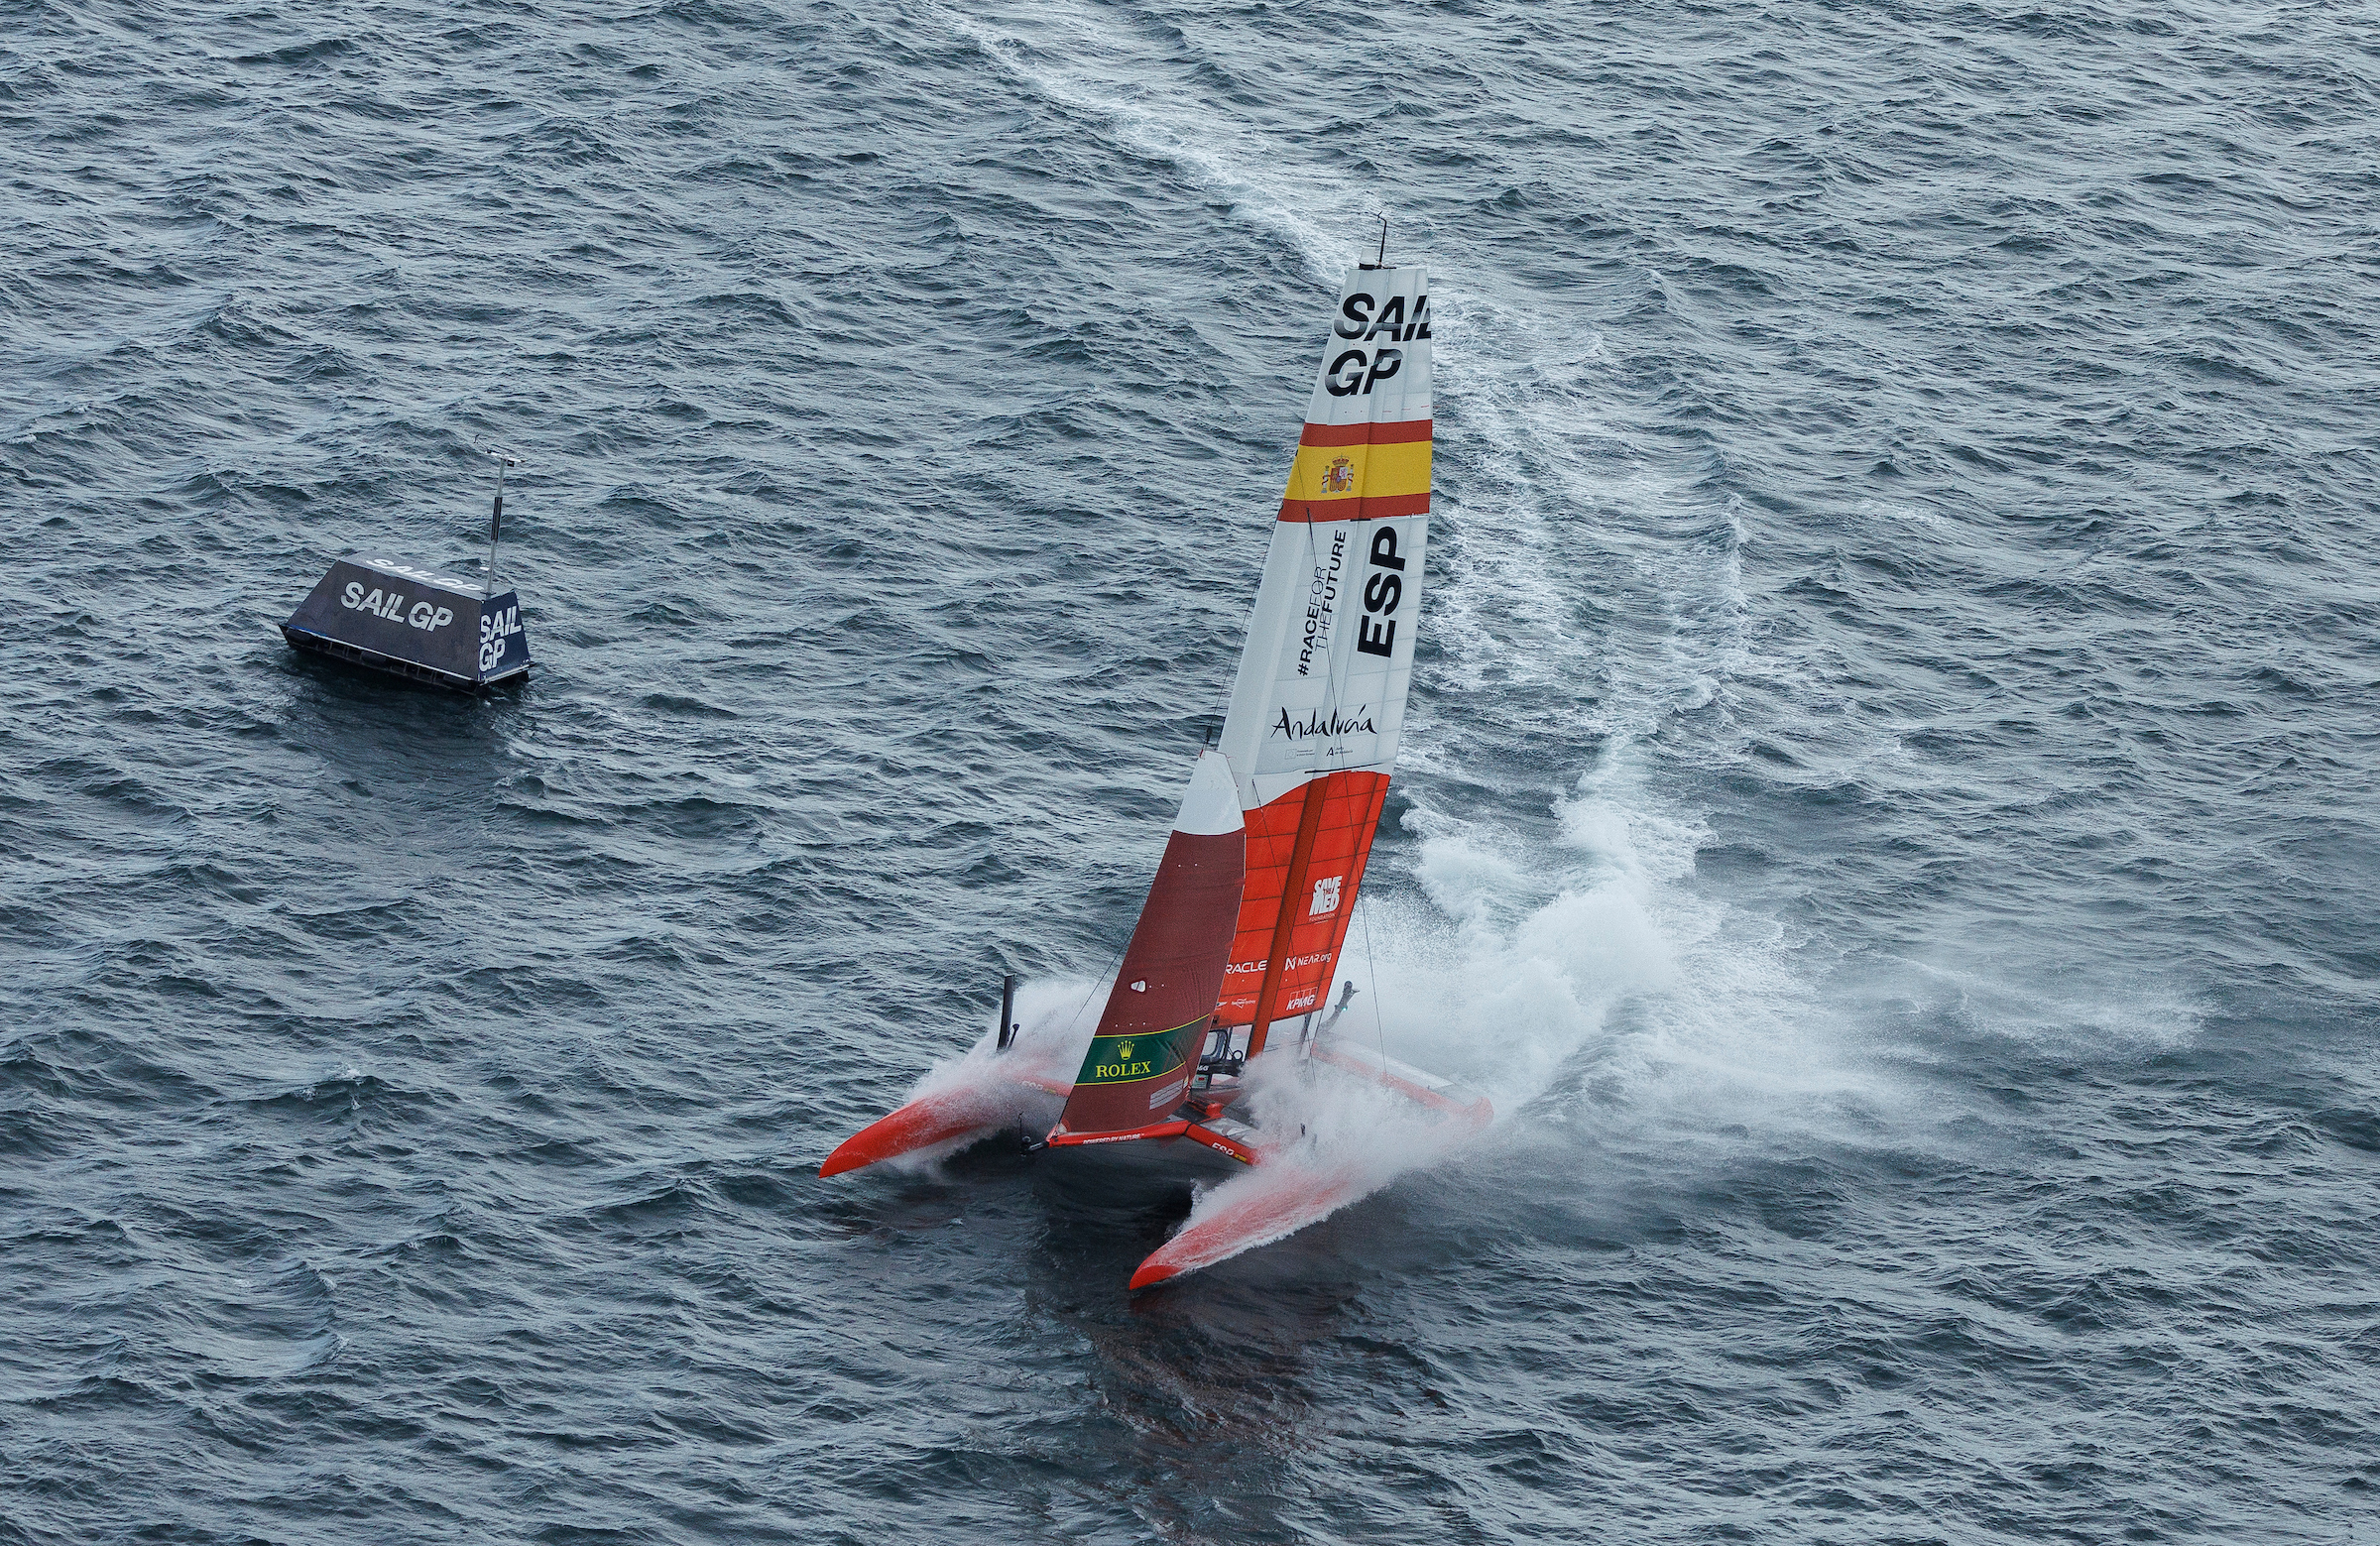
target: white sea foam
1082 60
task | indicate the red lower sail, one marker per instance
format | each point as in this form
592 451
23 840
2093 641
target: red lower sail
1143 1056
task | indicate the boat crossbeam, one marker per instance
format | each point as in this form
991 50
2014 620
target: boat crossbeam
1175 1128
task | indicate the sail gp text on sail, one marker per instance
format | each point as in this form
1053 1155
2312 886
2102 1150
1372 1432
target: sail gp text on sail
1360 370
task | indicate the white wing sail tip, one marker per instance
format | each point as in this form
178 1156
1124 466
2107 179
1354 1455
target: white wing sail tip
1377 367
1212 805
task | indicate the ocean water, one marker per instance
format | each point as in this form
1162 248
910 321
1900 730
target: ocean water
1890 811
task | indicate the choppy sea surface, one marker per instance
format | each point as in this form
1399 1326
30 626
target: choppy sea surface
1889 812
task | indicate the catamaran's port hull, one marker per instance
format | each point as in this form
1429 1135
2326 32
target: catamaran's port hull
938 1124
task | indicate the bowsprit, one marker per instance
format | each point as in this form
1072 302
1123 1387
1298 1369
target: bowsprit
417 624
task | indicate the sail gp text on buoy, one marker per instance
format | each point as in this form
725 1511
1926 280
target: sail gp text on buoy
494 629
424 614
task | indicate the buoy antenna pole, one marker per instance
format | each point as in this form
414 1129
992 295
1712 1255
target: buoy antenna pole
503 460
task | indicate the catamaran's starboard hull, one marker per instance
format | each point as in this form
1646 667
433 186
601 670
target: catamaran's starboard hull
1302 1184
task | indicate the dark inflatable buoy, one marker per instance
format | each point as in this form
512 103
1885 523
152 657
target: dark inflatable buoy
431 627
417 624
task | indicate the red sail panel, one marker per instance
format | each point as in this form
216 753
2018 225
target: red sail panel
1144 1053
1333 873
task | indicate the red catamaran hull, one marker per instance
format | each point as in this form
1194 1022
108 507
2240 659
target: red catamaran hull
1302 1187
943 1120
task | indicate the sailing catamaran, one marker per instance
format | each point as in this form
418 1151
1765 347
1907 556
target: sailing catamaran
1240 935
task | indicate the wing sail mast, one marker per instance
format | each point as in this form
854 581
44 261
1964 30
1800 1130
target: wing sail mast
1320 701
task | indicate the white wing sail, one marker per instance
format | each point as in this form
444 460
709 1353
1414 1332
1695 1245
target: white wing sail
1314 719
